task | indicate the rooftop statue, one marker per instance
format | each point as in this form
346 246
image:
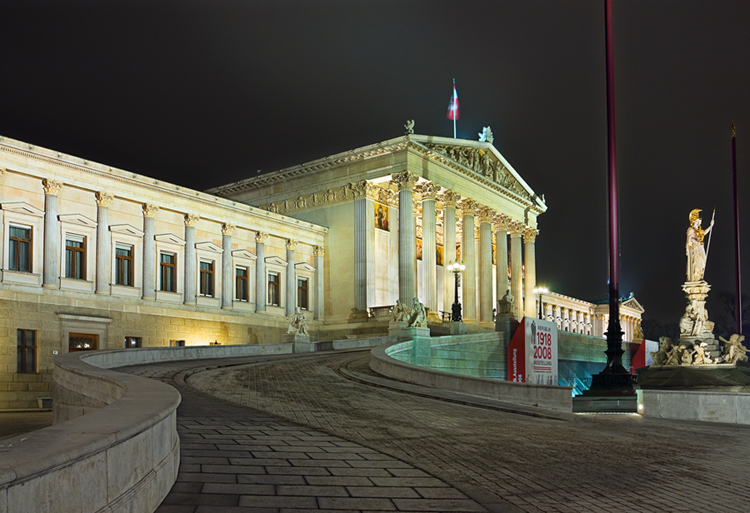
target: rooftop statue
409 126
298 324
696 253
486 135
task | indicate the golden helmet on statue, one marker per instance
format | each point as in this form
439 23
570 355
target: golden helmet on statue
695 214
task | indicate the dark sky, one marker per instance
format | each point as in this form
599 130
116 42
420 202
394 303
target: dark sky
205 93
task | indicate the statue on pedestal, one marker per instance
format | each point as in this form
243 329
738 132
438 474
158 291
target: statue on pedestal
665 346
696 253
399 313
418 317
298 324
505 304
734 350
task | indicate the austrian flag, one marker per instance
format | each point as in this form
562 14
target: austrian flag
453 106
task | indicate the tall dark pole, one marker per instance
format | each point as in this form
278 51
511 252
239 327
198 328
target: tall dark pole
738 273
614 379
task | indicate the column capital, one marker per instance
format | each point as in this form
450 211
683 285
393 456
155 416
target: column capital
468 206
103 199
501 222
428 190
150 210
291 244
405 180
450 198
261 237
515 228
51 186
485 214
392 197
364 188
192 219
319 251
227 229
529 234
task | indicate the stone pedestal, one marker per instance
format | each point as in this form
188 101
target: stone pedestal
394 328
695 328
458 328
301 343
402 332
506 323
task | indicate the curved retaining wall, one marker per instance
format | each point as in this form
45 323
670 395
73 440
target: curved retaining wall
123 454
544 396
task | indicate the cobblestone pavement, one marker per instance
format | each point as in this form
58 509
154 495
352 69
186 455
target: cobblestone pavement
236 459
592 463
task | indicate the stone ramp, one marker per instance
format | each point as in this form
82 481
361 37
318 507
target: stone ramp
236 459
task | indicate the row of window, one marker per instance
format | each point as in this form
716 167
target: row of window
20 244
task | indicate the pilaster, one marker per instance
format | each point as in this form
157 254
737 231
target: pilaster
319 298
103 256
191 274
291 277
260 271
227 270
52 248
149 251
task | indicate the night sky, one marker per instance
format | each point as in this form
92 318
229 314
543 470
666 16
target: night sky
205 93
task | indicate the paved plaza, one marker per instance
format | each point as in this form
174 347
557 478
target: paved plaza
295 433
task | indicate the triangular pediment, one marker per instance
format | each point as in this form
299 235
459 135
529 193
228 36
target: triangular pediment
483 161
126 229
304 266
169 238
274 260
634 304
78 219
22 207
244 254
208 246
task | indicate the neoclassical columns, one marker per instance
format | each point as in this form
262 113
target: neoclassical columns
529 236
516 267
364 231
291 278
51 235
149 251
190 259
485 264
429 247
501 245
319 295
407 259
103 257
260 271
449 245
469 288
227 280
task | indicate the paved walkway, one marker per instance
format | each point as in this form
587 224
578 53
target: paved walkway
302 436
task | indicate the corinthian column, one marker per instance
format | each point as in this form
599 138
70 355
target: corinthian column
429 249
468 253
291 278
319 295
449 246
51 235
227 280
516 267
501 244
407 258
103 257
485 264
364 235
260 271
529 236
190 259
149 251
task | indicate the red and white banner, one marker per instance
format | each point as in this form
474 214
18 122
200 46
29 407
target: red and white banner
532 353
453 106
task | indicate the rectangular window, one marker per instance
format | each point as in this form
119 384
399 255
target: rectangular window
132 342
241 284
75 257
82 342
302 293
19 257
168 268
26 343
207 279
274 289
124 265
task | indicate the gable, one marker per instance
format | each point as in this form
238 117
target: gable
126 229
169 239
78 219
208 246
22 207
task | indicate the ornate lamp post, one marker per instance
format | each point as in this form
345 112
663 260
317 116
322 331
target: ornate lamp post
539 291
456 269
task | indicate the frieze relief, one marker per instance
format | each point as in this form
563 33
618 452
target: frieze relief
335 195
482 163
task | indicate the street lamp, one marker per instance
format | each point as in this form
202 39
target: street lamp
540 291
456 269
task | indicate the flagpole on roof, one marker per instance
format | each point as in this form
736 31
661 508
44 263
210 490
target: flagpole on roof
454 117
453 108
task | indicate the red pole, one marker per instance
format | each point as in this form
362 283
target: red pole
614 334
738 297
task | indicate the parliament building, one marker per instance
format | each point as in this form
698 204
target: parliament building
95 257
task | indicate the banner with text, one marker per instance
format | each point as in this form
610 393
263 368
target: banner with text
532 353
